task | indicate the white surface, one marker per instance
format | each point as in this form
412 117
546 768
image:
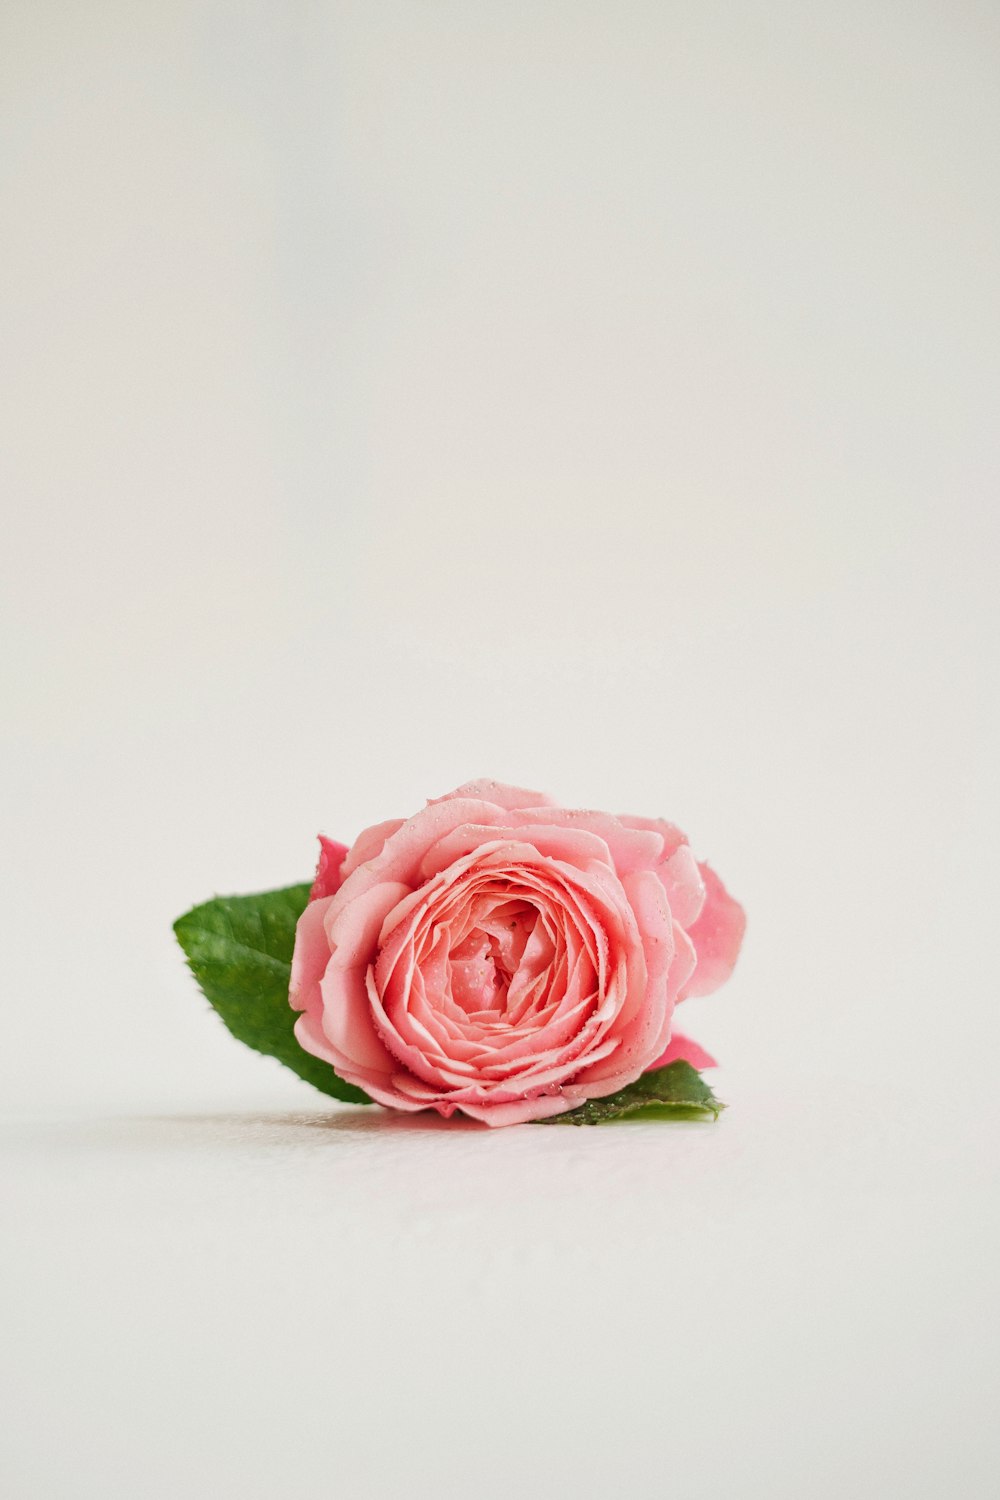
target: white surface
257 1303
599 397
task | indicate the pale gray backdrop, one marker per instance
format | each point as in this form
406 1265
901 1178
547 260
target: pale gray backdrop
599 396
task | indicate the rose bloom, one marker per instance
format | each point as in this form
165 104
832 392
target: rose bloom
507 957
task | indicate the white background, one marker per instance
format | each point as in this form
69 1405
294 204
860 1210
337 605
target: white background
596 396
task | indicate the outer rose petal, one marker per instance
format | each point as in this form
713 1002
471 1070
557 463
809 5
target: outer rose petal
683 1049
630 848
403 851
358 1051
329 874
573 845
717 936
509 797
353 927
672 836
684 886
684 964
310 958
369 844
520 1111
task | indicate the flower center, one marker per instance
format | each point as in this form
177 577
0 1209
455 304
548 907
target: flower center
479 977
483 962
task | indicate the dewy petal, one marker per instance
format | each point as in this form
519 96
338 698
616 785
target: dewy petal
310 957
717 936
349 1027
574 846
684 964
403 851
329 874
653 915
642 1026
497 792
672 836
402 924
519 1111
547 1071
659 1039
683 1049
683 884
383 1091
629 848
353 929
310 1035
369 843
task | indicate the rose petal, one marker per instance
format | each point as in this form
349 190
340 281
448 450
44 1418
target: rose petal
629 848
683 884
519 1111
672 836
353 928
310 957
329 874
310 1035
349 1028
717 936
684 963
683 1049
572 845
402 852
497 792
369 843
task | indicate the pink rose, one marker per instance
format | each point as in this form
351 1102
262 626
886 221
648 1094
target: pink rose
506 957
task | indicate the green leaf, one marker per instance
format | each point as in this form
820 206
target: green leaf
676 1092
239 948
